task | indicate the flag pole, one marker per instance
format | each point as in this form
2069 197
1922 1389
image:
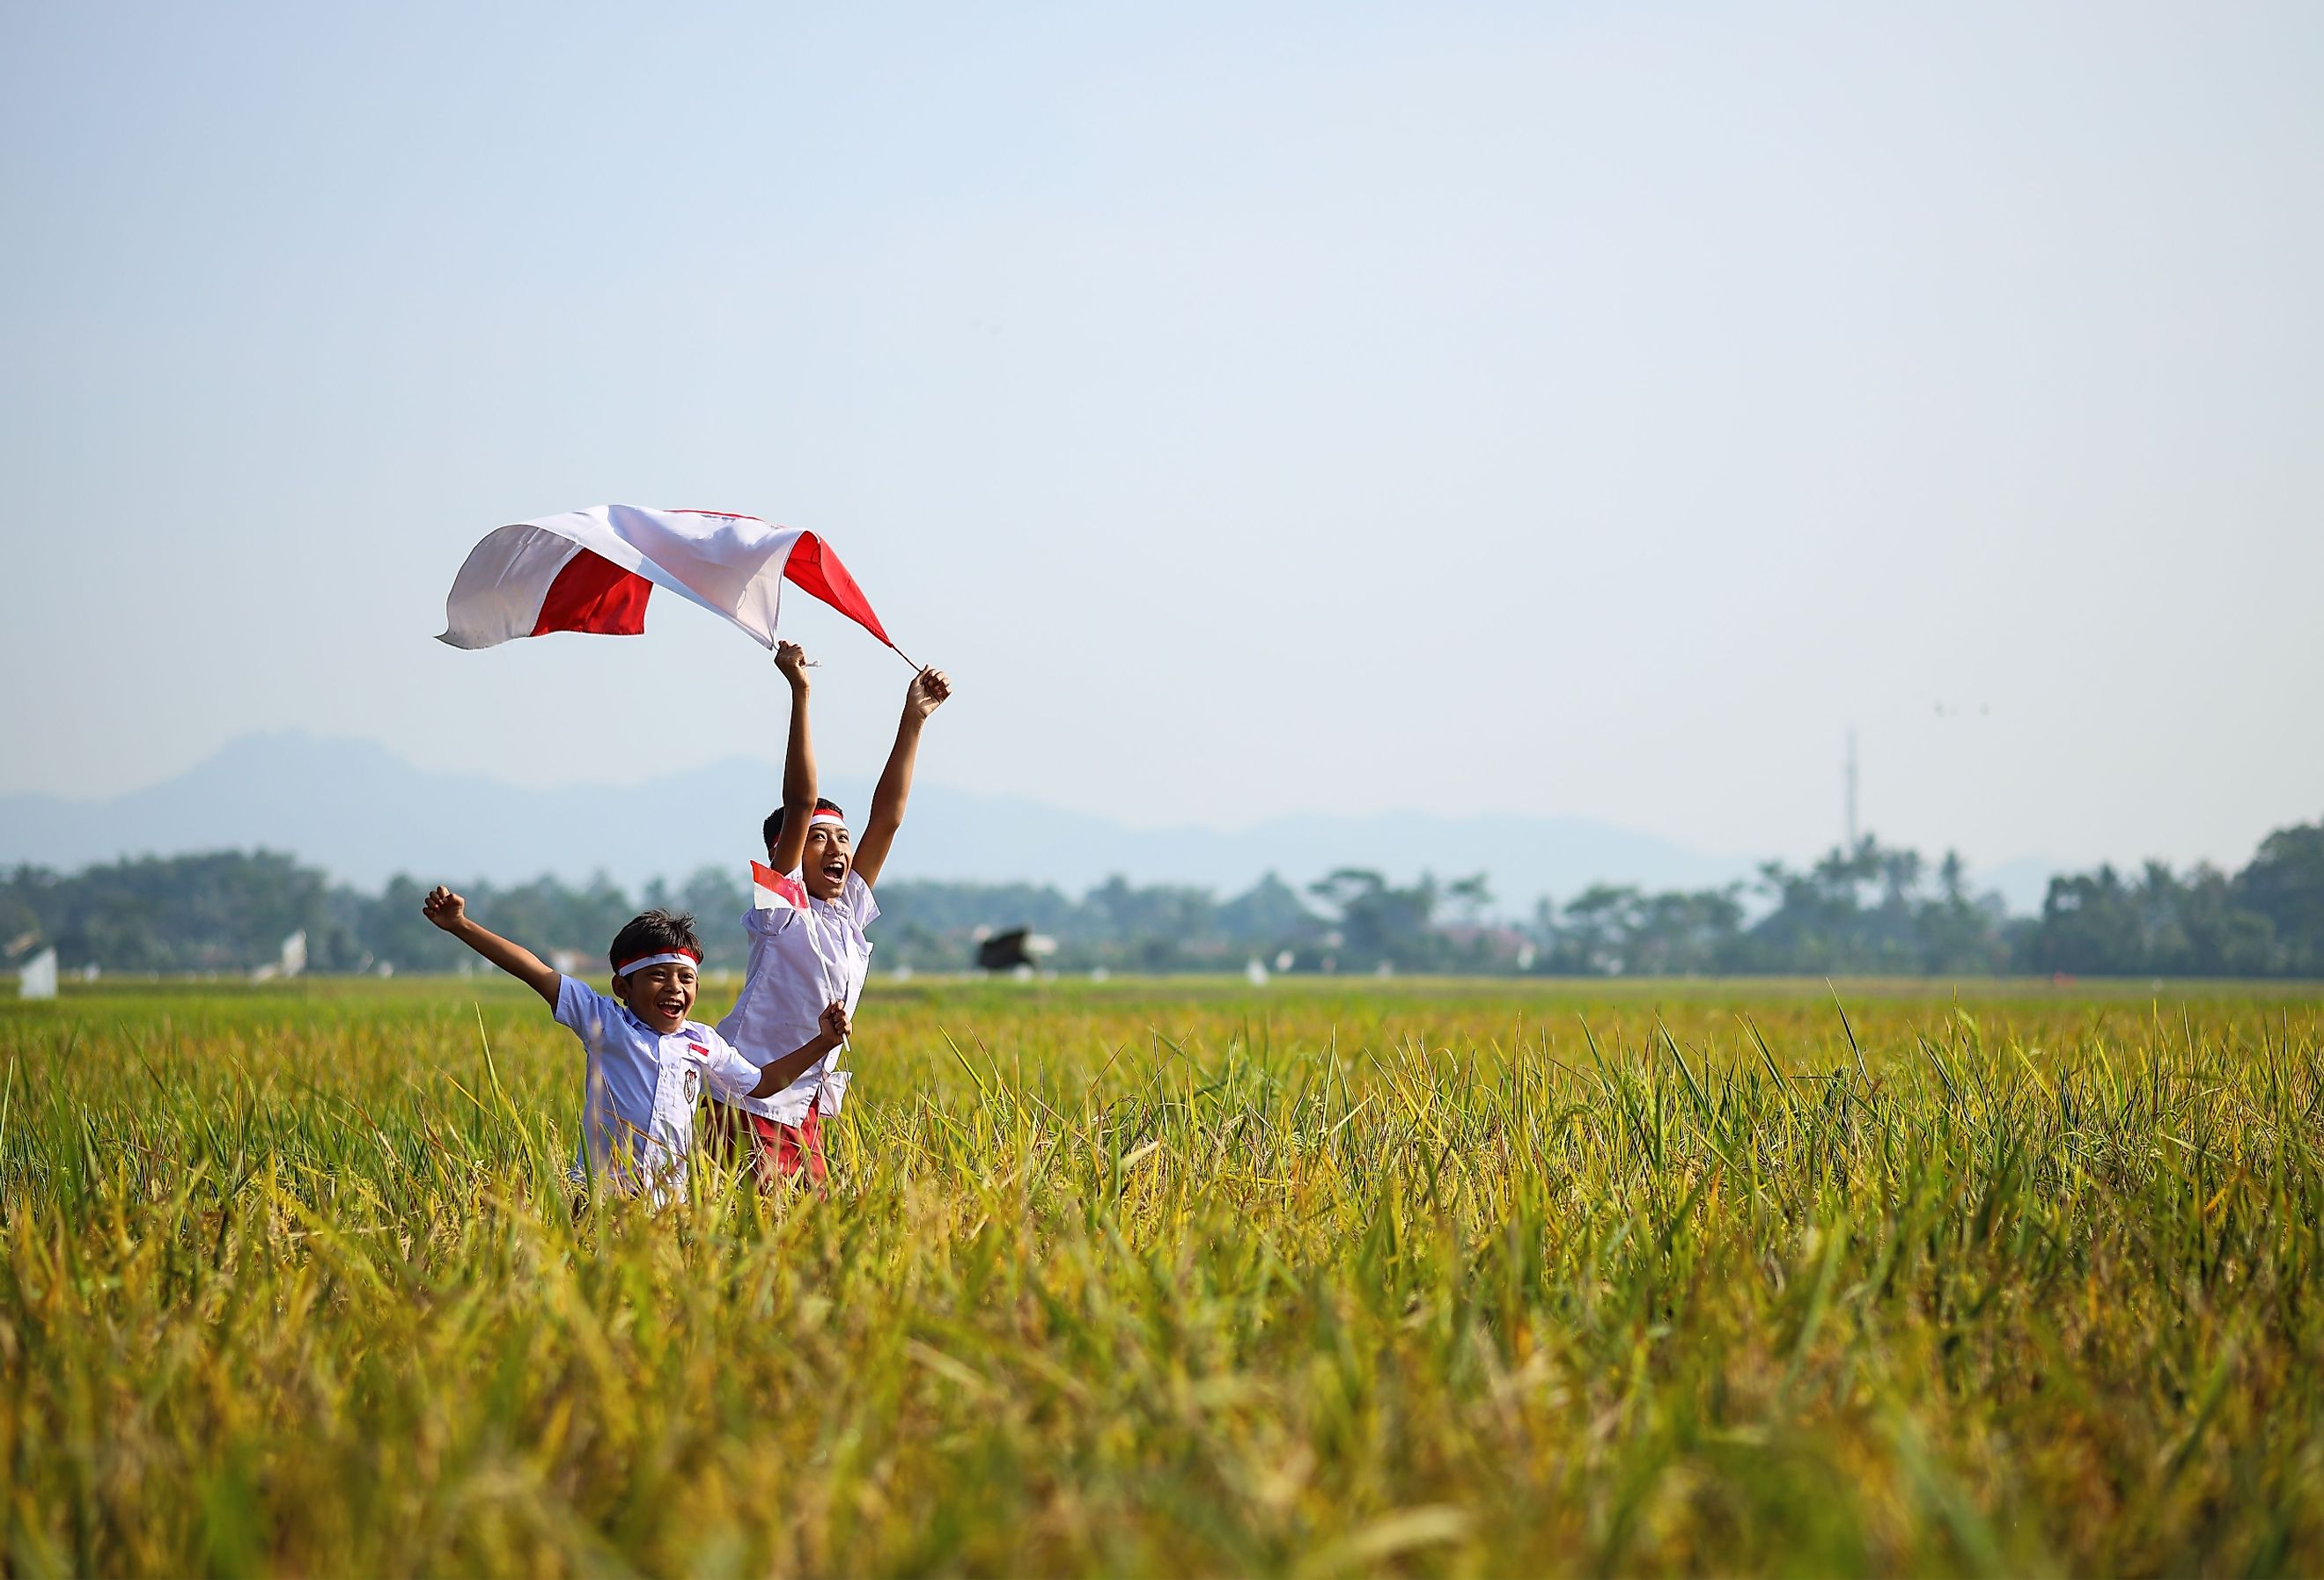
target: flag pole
916 666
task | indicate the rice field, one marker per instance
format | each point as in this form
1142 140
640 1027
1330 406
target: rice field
1148 1278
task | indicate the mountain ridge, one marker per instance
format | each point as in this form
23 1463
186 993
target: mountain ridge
363 814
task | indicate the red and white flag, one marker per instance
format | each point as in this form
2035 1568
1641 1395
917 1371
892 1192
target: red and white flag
770 891
592 570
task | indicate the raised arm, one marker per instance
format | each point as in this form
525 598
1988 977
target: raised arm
799 764
774 1077
449 911
928 692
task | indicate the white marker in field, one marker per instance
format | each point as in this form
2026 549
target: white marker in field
38 980
289 962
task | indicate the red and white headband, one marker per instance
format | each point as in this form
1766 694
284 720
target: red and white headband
670 958
826 815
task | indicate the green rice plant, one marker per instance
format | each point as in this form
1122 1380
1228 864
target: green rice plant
1426 1277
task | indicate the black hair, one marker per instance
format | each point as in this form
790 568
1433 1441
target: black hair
654 932
773 828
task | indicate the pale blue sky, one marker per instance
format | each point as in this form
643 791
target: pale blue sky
1562 409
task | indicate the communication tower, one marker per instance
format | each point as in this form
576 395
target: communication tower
1849 776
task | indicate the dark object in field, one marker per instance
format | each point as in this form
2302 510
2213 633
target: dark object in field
1005 951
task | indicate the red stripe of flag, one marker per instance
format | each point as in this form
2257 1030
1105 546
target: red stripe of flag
817 569
592 593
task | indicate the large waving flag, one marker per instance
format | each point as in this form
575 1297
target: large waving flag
593 569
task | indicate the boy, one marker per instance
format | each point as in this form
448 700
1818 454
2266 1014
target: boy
808 951
646 1060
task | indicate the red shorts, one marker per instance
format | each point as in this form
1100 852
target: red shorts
775 1152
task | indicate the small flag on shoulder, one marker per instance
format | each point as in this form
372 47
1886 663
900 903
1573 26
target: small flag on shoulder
770 891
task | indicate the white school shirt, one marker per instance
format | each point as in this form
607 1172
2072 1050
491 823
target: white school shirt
637 1111
801 961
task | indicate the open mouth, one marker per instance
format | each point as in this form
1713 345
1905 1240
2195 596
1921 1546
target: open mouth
835 869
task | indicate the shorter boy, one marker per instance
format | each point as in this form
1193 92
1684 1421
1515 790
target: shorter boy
647 1062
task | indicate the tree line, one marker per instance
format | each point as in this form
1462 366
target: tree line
1871 909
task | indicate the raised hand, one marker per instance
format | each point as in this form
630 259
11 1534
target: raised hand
929 690
445 909
791 659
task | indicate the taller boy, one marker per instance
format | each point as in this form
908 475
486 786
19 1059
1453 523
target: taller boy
807 945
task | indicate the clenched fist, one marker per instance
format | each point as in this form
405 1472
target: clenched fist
929 690
445 909
791 659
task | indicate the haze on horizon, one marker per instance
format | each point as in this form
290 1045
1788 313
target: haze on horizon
1576 409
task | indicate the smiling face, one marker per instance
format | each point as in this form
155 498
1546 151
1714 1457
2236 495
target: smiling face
829 854
659 995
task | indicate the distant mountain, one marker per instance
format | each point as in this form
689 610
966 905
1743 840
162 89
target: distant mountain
2022 884
363 814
